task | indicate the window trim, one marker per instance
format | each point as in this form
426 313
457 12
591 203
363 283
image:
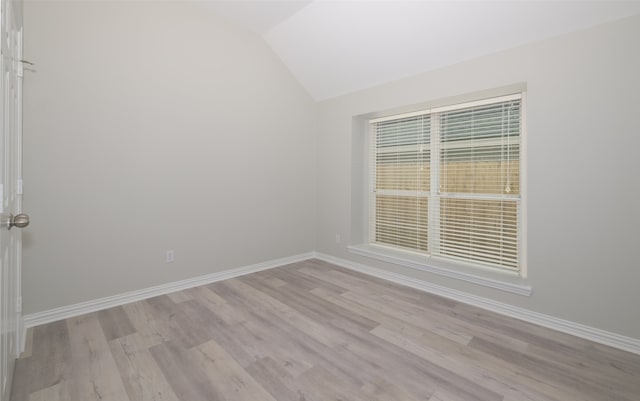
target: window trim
463 105
513 281
503 280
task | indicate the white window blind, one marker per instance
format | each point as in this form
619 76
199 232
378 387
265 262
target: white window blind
402 180
446 182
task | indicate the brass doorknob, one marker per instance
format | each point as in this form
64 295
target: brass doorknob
19 220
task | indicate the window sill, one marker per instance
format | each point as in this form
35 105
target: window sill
504 281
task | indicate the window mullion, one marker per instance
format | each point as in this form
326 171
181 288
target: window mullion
434 190
372 182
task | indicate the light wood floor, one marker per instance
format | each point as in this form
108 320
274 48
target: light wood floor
312 331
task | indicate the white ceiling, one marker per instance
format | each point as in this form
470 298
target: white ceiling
338 47
257 15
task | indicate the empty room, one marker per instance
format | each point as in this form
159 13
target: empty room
316 200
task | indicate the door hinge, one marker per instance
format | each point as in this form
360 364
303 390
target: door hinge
19 190
19 305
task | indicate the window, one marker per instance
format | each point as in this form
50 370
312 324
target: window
446 182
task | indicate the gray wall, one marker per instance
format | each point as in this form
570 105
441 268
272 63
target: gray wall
583 103
156 126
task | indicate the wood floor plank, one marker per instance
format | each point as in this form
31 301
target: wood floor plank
50 362
218 305
549 339
259 337
115 323
21 389
408 368
180 296
593 370
274 282
355 281
290 347
316 309
225 335
315 380
313 331
447 395
276 380
307 282
95 374
550 372
146 326
178 322
273 306
296 352
142 378
383 390
57 392
445 320
461 365
371 302
227 376
186 380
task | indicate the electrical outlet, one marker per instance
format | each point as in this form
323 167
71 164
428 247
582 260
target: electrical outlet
337 238
169 257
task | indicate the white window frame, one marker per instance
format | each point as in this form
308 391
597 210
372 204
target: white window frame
511 281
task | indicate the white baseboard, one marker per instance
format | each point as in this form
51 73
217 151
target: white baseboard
565 326
65 312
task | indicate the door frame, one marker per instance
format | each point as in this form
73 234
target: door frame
11 321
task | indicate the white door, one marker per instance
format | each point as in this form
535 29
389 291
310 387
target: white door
10 191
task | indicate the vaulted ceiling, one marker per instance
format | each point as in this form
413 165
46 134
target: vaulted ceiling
338 47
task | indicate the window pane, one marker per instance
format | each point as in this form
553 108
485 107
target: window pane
485 231
402 221
403 171
469 171
480 150
482 122
404 131
402 154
